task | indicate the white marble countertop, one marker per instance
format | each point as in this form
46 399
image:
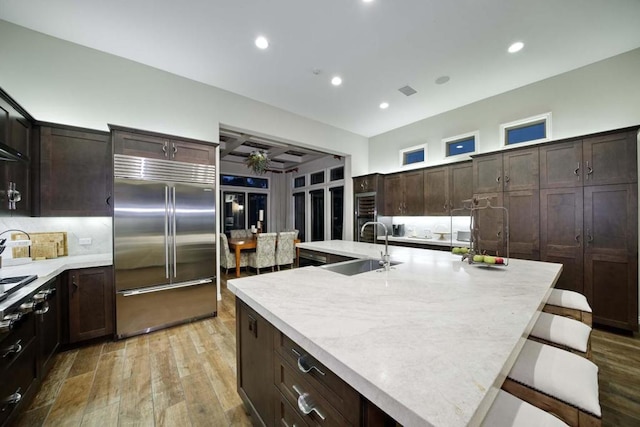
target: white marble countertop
429 342
425 241
47 269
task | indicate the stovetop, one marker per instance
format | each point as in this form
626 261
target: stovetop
8 285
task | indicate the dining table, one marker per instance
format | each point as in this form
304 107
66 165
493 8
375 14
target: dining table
249 243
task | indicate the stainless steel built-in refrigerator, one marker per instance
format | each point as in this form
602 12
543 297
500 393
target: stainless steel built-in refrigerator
365 211
164 230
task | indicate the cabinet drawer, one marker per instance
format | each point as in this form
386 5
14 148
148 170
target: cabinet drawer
286 416
298 392
17 380
344 398
15 342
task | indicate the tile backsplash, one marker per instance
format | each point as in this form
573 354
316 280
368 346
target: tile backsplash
425 226
97 229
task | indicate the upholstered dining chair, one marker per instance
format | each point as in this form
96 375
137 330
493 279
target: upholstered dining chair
265 254
227 258
285 249
241 234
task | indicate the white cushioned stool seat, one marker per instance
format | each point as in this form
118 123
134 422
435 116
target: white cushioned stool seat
560 374
508 410
563 331
569 299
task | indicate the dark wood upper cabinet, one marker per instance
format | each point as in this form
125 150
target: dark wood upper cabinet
90 305
524 224
460 188
404 194
521 170
487 173
138 143
436 191
561 165
76 177
610 159
367 183
489 224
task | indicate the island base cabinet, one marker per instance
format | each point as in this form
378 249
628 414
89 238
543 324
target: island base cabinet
254 340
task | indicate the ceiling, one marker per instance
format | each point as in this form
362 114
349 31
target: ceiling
376 47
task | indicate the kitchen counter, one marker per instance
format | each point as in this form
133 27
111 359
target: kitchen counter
427 241
429 342
48 269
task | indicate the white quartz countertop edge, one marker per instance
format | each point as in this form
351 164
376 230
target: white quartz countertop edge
425 241
47 269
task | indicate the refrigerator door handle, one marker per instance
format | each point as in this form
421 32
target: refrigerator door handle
166 231
175 262
165 287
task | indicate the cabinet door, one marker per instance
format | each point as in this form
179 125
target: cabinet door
611 254
49 328
521 170
91 306
141 145
413 187
487 173
393 198
561 236
524 223
460 188
363 184
254 337
610 159
76 175
488 228
436 191
192 152
561 165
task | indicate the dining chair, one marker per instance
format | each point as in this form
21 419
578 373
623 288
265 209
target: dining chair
241 234
228 258
285 249
265 254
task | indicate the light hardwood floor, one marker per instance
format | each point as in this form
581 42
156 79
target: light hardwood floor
186 376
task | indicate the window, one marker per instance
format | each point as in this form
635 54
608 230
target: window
337 215
299 182
336 174
245 181
529 130
317 178
413 155
461 144
299 215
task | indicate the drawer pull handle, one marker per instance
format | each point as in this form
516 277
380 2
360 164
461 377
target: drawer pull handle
303 363
306 403
13 399
44 308
13 349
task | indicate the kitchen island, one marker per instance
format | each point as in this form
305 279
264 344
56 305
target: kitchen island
428 342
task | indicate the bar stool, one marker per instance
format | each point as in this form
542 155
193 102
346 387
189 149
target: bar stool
563 332
508 410
569 304
556 381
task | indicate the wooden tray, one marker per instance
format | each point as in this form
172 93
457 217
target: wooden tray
43 245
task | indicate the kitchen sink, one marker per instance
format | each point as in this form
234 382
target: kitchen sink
356 266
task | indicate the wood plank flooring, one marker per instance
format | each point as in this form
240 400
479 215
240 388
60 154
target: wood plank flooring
186 376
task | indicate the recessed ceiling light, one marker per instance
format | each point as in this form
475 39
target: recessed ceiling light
384 105
442 80
262 42
516 47
336 81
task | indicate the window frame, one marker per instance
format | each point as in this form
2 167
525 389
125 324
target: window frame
463 136
404 151
505 127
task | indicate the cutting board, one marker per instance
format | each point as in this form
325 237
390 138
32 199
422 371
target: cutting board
43 245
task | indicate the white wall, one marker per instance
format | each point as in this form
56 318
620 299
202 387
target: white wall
598 97
61 82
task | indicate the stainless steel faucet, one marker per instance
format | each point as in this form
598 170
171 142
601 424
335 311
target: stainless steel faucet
385 261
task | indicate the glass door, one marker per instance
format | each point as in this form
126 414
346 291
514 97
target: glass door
337 214
299 214
257 203
317 215
233 211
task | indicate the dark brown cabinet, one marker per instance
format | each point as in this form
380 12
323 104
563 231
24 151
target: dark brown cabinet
76 172
514 170
48 323
90 306
611 254
254 337
524 224
489 223
367 183
404 194
138 143
446 188
15 142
